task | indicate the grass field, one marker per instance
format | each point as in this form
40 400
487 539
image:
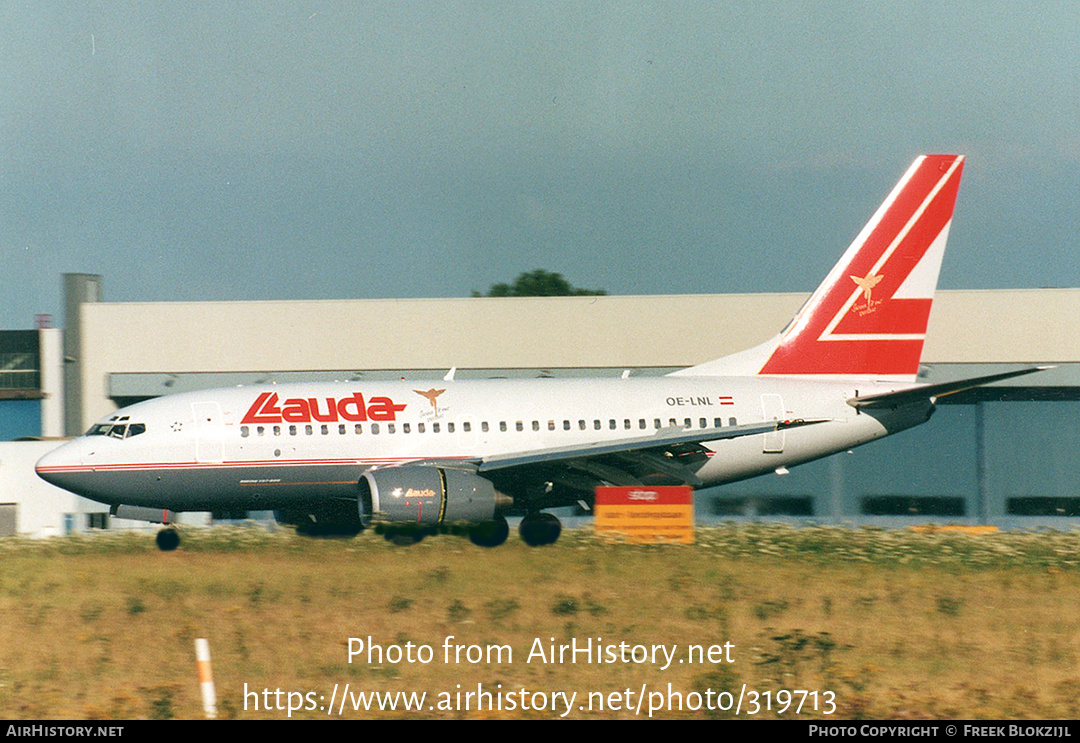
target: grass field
895 624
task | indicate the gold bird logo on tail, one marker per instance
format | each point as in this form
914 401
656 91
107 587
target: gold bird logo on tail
867 283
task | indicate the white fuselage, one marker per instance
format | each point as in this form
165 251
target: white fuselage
281 445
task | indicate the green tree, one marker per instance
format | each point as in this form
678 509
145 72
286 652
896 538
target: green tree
538 283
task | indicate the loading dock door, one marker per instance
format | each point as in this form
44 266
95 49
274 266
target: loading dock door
9 523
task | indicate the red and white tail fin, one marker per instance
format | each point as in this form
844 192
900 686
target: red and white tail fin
868 318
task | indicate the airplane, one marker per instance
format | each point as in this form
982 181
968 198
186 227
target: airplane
413 458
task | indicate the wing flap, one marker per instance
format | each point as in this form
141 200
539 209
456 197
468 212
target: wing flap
661 440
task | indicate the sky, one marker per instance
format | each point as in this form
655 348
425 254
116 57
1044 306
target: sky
332 150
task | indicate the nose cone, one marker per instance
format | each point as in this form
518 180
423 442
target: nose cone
61 467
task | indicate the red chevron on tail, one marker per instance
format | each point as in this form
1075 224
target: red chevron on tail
869 316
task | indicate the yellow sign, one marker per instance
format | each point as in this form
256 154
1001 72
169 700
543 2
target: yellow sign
646 515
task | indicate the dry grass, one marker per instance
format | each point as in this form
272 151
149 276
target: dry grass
897 624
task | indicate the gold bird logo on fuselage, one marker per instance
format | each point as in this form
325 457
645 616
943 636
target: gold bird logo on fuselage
431 395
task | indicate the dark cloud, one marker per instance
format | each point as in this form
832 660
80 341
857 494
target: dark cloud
261 150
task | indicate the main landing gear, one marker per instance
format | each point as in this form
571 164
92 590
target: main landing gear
538 529
490 533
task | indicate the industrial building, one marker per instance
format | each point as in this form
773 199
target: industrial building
1000 455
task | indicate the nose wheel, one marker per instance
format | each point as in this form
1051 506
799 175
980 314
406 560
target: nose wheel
168 539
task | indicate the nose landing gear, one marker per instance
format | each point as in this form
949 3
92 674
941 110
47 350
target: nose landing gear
168 539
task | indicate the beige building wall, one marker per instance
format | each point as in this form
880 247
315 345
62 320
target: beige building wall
1015 326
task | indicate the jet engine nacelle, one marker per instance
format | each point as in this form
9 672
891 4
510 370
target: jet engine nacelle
427 494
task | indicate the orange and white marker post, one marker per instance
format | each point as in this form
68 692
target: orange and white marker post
206 679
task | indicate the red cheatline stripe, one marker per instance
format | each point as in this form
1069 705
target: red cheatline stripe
228 465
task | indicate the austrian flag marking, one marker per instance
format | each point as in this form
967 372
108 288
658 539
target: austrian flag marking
266 409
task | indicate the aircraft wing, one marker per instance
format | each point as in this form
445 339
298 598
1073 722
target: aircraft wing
934 391
669 452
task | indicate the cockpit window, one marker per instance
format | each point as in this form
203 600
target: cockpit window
117 430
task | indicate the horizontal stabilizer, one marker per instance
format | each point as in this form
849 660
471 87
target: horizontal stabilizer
934 391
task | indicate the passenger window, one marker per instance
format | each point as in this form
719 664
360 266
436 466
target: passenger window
419 427
405 428
277 430
449 427
502 425
551 425
358 429
484 426
375 428
519 426
466 426
641 423
390 428
611 424
656 423
308 430
702 423
341 429
626 424
581 425
244 432
434 427
536 425
732 422
325 429
292 430
596 424
718 422
566 425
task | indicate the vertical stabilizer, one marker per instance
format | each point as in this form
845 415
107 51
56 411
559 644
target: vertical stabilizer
869 316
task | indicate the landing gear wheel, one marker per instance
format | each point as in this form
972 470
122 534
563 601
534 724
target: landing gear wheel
538 529
168 539
490 533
